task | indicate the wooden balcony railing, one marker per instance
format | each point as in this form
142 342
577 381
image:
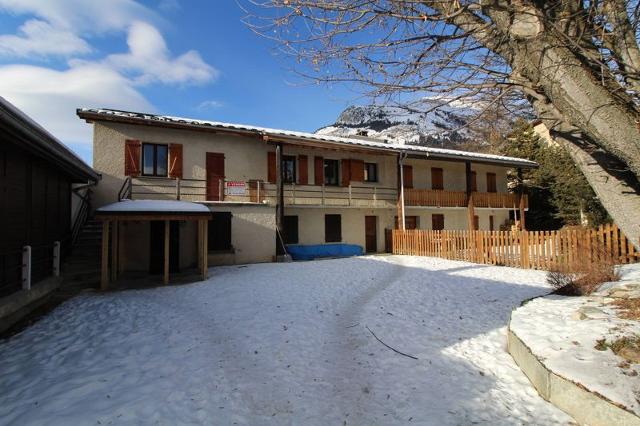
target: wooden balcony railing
256 191
438 198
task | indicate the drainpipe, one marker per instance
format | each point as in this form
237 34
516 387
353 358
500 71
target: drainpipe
401 158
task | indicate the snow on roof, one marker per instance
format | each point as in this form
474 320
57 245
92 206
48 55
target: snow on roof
155 206
438 153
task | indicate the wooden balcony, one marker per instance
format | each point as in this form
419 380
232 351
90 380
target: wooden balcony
255 191
438 198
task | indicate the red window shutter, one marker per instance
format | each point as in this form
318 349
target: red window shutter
407 176
357 170
303 170
318 170
132 150
175 160
346 172
271 172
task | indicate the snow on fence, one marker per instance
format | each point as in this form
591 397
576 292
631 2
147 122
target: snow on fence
548 250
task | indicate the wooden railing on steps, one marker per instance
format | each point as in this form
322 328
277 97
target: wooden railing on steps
547 250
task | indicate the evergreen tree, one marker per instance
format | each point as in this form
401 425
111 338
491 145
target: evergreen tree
559 194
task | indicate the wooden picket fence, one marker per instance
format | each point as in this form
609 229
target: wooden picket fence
562 250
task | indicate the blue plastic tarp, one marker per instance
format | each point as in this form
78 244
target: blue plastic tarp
315 251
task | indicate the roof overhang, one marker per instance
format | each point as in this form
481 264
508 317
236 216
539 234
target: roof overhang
28 134
147 210
312 140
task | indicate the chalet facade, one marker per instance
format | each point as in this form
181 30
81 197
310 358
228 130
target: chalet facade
266 185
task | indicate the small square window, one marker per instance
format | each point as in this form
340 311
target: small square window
332 228
370 172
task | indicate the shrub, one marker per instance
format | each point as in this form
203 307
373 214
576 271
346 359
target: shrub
584 277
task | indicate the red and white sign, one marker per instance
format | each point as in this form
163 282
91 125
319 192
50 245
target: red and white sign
238 187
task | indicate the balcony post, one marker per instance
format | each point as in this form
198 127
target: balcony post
401 220
470 206
279 199
521 200
178 189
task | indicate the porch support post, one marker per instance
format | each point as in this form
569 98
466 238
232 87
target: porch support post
114 251
280 199
470 206
401 220
104 272
199 250
205 249
521 200
165 275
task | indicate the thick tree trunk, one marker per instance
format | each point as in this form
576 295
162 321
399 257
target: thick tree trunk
581 99
616 189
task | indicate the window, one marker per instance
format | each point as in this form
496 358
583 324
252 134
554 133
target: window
437 222
219 235
331 172
491 182
154 159
289 169
491 226
370 172
476 223
332 228
290 230
437 178
410 222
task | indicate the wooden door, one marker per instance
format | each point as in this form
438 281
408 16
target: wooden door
407 176
371 233
215 176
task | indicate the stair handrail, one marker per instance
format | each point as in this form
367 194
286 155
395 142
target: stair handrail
125 189
83 212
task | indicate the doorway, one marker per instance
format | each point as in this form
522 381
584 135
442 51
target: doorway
156 247
215 176
371 233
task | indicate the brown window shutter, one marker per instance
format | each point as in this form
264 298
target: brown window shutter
437 178
407 176
357 170
132 148
303 170
346 172
175 160
318 170
271 172
491 182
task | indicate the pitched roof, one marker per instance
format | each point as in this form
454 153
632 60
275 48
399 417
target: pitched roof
275 134
37 139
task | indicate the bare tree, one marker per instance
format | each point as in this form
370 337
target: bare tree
577 63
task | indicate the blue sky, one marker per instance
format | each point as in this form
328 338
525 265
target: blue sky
180 57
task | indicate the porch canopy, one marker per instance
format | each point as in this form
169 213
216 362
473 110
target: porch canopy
147 211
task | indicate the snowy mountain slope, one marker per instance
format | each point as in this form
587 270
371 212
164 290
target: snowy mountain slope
398 125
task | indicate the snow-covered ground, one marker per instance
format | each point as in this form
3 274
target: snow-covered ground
283 344
562 333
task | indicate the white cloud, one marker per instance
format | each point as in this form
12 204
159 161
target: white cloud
51 97
210 104
64 28
39 38
169 5
83 16
149 57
